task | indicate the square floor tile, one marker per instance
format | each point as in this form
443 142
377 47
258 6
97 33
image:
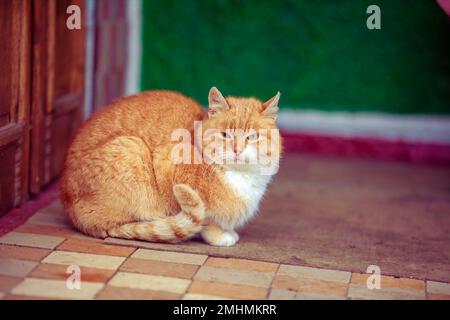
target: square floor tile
83 236
198 296
309 285
16 267
149 282
122 293
227 290
390 282
49 219
168 256
25 297
314 273
87 246
159 268
438 296
241 264
31 240
226 275
7 283
56 207
46 230
283 294
84 260
62 272
23 253
56 289
438 287
357 291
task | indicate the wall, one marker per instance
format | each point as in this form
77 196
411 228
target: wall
320 55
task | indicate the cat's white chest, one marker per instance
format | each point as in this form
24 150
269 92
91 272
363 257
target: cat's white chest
250 186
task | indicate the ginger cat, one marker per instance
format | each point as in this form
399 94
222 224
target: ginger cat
120 178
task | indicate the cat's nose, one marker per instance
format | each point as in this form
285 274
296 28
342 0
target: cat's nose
237 150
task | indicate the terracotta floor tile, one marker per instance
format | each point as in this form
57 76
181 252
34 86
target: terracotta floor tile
198 296
358 291
81 236
390 282
7 283
438 296
227 290
438 287
167 256
283 294
314 273
31 240
87 246
49 219
244 277
59 272
84 260
16 267
159 268
121 293
149 282
241 264
23 253
331 288
56 289
46 230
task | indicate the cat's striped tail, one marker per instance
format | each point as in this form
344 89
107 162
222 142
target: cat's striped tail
182 226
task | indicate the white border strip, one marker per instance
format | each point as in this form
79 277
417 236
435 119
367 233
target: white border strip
411 128
134 20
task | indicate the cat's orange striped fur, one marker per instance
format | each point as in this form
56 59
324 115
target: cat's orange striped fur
119 178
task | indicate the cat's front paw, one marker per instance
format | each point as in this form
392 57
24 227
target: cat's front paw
235 235
224 239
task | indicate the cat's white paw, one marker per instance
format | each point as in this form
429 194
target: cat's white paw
226 239
235 235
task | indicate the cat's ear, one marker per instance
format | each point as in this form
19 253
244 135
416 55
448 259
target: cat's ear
270 107
216 101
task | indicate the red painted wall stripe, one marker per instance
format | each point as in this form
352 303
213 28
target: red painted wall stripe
414 152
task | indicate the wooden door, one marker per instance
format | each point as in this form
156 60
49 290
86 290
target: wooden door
57 87
15 32
41 93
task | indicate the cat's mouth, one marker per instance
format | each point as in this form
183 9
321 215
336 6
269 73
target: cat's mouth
238 159
241 162
233 161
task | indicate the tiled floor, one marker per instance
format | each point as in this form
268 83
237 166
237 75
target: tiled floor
35 257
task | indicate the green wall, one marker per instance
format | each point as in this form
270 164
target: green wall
319 54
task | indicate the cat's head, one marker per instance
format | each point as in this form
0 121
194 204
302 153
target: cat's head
246 129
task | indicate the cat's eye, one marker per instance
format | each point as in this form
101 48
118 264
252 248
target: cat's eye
252 137
225 135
